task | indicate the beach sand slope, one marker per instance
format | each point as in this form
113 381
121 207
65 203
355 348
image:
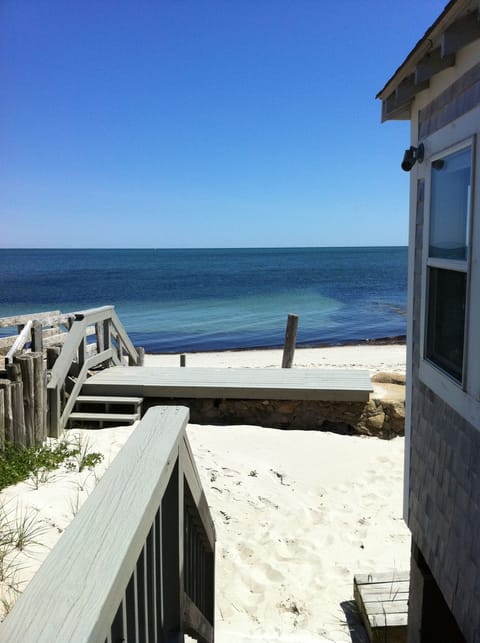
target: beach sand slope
297 514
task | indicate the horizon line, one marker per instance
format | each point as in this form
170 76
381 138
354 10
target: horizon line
260 247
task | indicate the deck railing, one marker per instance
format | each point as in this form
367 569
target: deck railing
38 330
137 562
108 344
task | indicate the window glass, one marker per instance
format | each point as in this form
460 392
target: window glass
450 204
446 320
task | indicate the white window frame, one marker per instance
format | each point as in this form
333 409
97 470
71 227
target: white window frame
463 397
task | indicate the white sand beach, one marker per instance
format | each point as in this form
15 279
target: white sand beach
297 513
375 358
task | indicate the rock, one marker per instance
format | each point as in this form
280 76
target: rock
375 422
389 378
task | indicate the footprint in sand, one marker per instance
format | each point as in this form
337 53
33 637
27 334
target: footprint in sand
293 550
230 473
271 573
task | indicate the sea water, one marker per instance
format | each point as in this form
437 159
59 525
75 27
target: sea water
211 299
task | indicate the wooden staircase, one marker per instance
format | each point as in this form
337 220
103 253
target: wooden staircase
101 410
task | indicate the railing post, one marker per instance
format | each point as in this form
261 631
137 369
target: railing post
54 412
107 336
82 352
172 539
37 336
99 333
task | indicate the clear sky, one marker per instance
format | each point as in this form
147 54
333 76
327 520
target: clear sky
202 123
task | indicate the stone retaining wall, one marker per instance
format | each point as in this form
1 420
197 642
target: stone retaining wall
382 416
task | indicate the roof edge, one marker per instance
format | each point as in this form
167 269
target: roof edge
451 11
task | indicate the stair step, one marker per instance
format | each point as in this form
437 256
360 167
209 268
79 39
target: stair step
104 417
104 399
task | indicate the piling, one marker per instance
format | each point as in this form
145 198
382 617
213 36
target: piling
290 341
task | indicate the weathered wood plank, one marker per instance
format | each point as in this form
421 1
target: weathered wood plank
239 383
389 620
103 417
25 361
109 399
18 416
6 387
385 577
290 341
39 397
47 319
56 339
37 336
374 595
382 600
2 419
387 607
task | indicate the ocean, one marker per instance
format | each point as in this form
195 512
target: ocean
215 299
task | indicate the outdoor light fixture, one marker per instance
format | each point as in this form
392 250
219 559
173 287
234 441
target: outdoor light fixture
411 156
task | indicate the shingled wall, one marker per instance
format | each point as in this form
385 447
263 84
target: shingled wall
444 499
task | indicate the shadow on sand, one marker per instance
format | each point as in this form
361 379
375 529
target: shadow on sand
354 622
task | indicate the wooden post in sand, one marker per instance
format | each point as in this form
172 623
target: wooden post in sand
40 398
2 420
6 388
18 415
290 340
25 362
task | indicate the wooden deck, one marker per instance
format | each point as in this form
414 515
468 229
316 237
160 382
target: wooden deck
383 603
335 385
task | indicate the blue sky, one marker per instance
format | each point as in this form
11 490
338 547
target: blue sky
202 123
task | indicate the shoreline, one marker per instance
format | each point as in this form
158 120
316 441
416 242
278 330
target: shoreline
375 341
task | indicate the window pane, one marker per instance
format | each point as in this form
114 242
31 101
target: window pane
446 320
450 204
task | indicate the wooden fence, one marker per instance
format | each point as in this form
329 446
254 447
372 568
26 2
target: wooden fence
137 562
46 363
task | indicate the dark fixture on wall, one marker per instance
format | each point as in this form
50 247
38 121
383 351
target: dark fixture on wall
411 156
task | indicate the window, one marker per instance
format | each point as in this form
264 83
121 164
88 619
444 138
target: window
447 262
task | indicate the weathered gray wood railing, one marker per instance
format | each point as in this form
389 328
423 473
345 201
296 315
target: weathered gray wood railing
111 345
137 562
40 330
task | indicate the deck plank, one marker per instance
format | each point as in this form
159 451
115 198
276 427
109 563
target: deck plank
382 600
234 383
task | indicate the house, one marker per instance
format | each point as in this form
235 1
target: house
437 88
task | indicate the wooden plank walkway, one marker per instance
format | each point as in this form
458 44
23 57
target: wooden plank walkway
383 603
334 385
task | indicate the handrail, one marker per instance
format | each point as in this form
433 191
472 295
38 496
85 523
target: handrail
118 571
75 350
38 329
20 342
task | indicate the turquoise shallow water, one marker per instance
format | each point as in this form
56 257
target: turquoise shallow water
181 300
